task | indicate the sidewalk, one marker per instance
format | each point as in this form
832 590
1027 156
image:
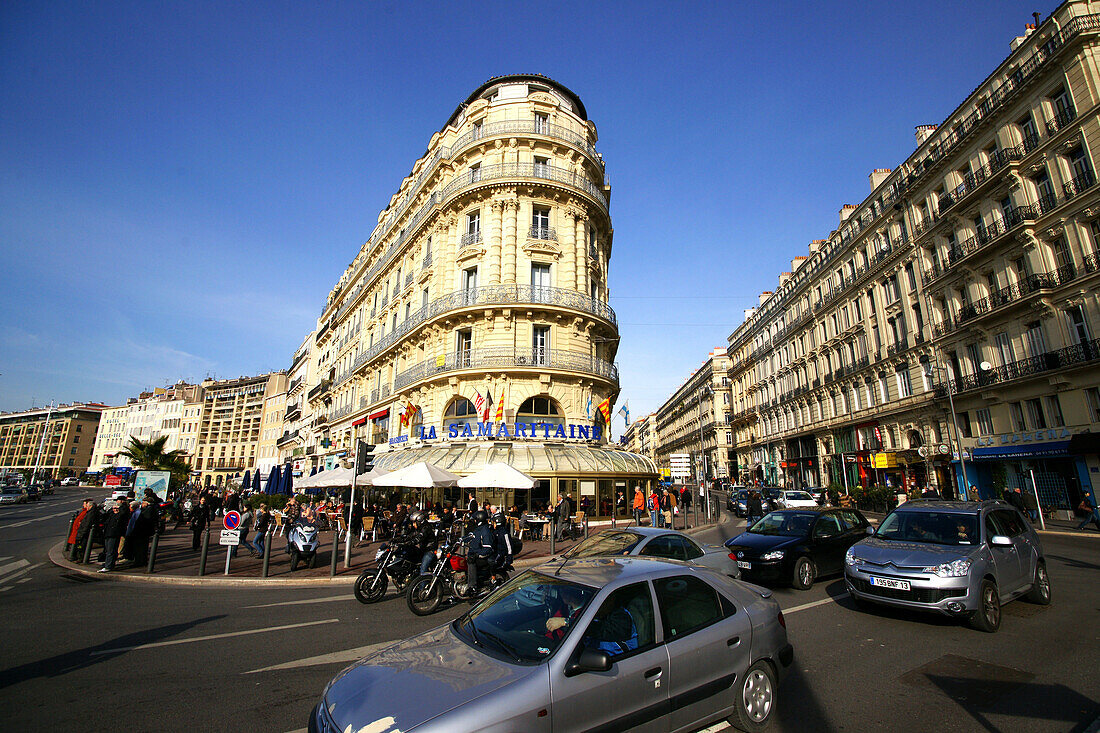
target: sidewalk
177 564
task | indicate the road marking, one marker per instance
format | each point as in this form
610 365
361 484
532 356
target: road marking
342 657
22 572
9 587
822 602
11 566
212 636
326 599
25 522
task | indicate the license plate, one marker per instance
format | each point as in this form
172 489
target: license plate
890 583
744 564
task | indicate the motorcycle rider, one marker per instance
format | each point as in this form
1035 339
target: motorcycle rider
422 541
503 543
480 548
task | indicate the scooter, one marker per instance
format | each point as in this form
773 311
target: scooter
302 543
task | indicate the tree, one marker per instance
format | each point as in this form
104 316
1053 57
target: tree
151 456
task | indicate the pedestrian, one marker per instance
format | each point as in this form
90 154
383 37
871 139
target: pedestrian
78 524
113 531
200 517
639 506
973 494
1088 504
666 508
471 505
129 541
1030 506
755 508
564 516
245 526
654 508
143 528
620 504
1012 496
263 521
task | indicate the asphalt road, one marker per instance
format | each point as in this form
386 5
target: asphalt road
98 654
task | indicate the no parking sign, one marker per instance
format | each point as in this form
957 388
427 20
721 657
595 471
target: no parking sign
231 520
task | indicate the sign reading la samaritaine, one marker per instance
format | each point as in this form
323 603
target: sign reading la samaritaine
511 431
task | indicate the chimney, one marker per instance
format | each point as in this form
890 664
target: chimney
878 175
815 245
846 211
924 132
797 263
749 313
764 296
1029 28
783 278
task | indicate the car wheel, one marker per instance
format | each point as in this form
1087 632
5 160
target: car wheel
804 573
1040 590
756 698
988 616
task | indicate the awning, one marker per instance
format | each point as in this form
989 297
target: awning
380 413
1025 450
360 421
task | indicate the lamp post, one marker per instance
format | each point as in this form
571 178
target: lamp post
931 367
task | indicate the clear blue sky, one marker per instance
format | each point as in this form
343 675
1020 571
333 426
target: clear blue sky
182 183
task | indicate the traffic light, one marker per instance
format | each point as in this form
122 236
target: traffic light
365 456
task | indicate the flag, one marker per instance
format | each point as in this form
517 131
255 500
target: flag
479 402
484 415
605 410
404 415
625 412
588 408
500 407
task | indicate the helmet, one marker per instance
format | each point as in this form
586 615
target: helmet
480 517
499 517
417 517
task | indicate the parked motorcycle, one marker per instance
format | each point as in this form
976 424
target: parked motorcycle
448 580
391 562
302 543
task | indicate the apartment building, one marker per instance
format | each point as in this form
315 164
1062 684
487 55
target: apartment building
297 444
58 440
164 411
696 420
476 315
970 272
639 437
231 425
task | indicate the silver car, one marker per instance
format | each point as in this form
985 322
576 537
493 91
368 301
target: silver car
961 559
654 542
607 643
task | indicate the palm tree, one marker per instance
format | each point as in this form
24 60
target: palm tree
151 456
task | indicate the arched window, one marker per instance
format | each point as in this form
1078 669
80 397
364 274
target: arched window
540 410
460 411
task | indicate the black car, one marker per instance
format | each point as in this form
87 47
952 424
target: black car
738 502
797 545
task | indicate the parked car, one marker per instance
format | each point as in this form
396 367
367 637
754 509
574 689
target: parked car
13 495
959 558
652 542
818 493
605 643
34 492
793 499
738 501
70 481
797 545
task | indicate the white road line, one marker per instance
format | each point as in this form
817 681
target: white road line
22 572
822 602
212 636
25 522
9 587
22 580
11 566
326 599
341 657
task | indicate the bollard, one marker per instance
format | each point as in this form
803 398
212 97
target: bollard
267 551
335 554
586 526
153 552
72 521
553 533
205 549
88 548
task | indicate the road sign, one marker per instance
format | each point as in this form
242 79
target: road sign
229 537
231 520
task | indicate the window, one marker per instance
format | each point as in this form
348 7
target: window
1054 409
469 284
540 410
985 422
542 167
883 390
473 222
964 425
1028 132
1016 410
540 345
424 298
1078 327
1092 396
624 622
540 223
458 412
475 172
1004 348
1035 414
1081 169
1045 190
905 386
688 604
1033 337
464 341
911 276
890 286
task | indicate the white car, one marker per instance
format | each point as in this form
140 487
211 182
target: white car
796 499
70 481
13 495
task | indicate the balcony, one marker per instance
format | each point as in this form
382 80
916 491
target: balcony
293 413
1061 119
1031 284
288 437
545 233
1081 183
340 412
505 358
319 390
470 238
1071 356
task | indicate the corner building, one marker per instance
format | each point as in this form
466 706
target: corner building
474 326
971 269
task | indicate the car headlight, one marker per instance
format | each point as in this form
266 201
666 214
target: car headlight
773 555
955 569
850 557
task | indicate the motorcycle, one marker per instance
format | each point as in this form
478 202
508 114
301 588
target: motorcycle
448 580
391 562
302 543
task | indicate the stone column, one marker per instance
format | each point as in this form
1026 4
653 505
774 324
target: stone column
450 252
495 243
511 208
581 249
567 273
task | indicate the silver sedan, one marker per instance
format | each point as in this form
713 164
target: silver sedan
608 643
655 542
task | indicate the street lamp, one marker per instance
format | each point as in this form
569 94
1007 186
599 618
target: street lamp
932 367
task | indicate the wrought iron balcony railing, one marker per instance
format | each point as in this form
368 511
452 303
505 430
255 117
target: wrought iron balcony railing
1071 356
542 233
470 238
494 358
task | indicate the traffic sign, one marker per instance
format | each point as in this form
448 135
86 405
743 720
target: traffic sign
229 537
231 520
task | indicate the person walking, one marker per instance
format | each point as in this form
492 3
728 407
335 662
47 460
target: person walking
639 506
563 516
654 508
666 508
1088 504
245 527
756 507
200 517
263 522
1030 506
113 531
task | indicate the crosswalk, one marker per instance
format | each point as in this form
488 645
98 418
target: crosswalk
14 571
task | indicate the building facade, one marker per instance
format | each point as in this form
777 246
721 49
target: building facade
231 425
151 415
481 298
58 440
970 272
695 420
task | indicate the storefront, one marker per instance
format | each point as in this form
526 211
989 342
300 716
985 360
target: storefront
1056 468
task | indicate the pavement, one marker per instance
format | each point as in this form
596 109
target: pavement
177 564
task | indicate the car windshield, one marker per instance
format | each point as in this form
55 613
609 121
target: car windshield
605 543
787 524
799 496
937 528
527 618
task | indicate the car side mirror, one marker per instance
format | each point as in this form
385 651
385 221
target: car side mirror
590 660
999 540
870 530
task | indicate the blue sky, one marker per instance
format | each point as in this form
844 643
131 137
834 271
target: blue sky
182 183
